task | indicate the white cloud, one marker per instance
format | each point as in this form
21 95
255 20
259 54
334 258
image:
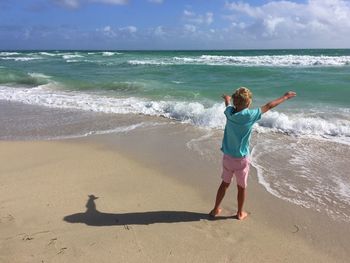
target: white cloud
112 2
129 29
159 31
273 24
156 1
116 33
198 19
68 3
77 3
240 25
209 18
188 13
280 19
190 28
107 31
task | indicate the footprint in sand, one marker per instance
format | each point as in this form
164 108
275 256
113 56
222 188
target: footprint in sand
7 219
52 241
61 251
296 229
27 237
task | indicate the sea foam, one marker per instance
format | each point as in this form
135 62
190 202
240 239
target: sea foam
265 60
107 54
20 58
306 172
39 75
5 54
303 125
70 56
194 112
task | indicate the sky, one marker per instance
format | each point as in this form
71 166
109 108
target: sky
173 24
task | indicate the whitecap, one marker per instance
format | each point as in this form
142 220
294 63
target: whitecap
39 75
20 58
69 56
50 54
5 54
249 61
107 54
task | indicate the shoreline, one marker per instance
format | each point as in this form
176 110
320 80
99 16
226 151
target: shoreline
163 213
202 173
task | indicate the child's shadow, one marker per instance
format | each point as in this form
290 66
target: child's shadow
93 217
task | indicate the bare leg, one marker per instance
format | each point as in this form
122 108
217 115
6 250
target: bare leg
219 196
240 200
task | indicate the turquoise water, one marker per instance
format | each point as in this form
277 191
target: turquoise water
187 85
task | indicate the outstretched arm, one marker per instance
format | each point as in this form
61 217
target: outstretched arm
227 99
274 103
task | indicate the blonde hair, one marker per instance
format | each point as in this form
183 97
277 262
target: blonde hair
242 97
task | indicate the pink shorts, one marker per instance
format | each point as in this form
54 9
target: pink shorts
235 166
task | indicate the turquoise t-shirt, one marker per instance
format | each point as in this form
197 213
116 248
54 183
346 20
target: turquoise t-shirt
238 130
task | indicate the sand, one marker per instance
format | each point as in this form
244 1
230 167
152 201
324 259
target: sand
81 201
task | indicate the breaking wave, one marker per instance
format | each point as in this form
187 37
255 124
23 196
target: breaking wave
195 113
265 60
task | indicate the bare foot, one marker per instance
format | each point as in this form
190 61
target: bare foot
215 212
242 215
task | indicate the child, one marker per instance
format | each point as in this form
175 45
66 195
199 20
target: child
235 144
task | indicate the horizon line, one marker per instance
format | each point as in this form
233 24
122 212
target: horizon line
150 50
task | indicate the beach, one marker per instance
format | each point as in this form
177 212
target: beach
121 122
115 157
143 196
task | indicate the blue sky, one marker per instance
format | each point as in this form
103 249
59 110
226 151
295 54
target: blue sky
173 24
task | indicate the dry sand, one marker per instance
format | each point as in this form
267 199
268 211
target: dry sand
78 201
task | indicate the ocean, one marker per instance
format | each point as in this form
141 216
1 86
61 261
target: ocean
300 148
